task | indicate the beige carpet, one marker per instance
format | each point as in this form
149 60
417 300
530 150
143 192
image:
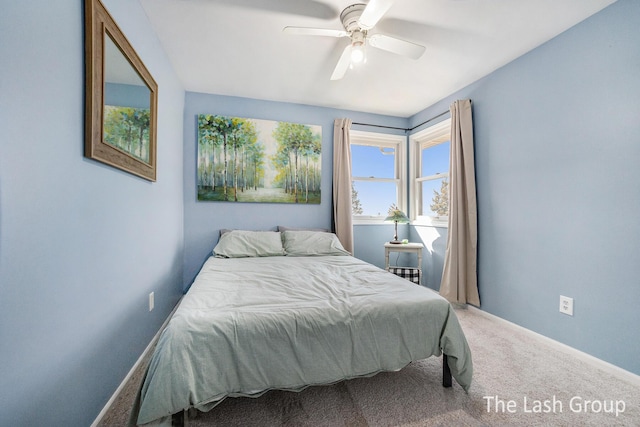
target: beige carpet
519 380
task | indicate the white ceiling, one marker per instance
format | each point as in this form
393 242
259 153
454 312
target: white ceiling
237 47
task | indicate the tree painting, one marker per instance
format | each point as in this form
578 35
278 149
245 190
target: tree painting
250 160
127 128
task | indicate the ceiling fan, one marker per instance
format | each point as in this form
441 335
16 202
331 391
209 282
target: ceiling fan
357 20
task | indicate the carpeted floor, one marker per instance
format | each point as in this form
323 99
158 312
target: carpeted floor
519 380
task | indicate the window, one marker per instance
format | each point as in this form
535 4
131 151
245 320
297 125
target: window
378 175
430 172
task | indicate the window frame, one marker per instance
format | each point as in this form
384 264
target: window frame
398 142
433 135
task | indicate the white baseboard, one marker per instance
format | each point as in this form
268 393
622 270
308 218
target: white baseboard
609 368
135 366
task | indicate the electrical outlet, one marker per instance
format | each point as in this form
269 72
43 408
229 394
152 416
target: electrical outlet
566 305
151 302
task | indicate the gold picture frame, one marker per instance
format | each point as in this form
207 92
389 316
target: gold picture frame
121 98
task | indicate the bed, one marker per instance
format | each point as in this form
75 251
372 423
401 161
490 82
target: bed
289 310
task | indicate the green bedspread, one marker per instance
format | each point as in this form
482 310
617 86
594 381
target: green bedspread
249 325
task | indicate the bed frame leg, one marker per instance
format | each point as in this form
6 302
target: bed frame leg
446 372
177 419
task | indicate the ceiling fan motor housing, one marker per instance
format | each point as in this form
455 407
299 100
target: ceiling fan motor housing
350 16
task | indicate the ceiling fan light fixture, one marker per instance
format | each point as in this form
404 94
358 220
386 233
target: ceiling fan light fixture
357 53
358 40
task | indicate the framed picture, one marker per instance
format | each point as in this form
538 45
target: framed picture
262 161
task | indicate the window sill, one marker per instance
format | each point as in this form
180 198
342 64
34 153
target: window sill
421 222
371 220
431 222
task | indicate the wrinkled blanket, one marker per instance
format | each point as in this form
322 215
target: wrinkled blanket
249 325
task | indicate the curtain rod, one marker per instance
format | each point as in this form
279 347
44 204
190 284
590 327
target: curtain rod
404 129
379 126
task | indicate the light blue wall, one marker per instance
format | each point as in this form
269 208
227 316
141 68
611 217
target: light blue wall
557 140
435 245
203 220
369 240
81 244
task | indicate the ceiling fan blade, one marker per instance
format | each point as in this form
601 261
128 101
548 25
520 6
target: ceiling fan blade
373 12
397 46
343 64
304 31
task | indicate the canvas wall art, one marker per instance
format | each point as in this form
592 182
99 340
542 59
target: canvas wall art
264 161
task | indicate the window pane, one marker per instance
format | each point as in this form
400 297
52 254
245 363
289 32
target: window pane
373 198
435 197
435 159
368 161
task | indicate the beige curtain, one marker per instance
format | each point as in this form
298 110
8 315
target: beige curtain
342 183
459 277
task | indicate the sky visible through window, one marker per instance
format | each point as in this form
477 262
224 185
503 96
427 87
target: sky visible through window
435 160
369 162
377 197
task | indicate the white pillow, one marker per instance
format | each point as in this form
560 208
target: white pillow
312 243
244 243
